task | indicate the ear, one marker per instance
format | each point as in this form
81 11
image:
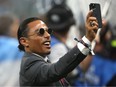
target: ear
24 41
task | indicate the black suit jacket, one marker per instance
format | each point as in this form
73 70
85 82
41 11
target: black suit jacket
37 72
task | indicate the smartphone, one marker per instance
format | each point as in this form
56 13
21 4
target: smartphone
96 12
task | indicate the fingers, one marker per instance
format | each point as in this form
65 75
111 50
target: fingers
95 28
89 14
92 19
91 26
92 22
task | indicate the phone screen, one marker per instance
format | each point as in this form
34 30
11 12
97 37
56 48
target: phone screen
96 12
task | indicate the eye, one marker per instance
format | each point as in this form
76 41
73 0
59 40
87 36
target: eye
41 31
50 31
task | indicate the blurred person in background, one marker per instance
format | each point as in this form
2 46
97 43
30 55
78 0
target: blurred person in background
14 26
60 19
10 55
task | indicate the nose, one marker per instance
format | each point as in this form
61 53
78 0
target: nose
47 35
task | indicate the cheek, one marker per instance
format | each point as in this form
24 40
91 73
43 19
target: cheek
39 47
36 44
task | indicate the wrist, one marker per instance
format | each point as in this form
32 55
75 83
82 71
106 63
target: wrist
89 38
86 40
84 44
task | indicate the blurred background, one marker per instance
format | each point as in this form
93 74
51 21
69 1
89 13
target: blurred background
12 12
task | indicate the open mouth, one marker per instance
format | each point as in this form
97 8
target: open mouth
47 44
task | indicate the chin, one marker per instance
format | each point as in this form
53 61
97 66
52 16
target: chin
48 53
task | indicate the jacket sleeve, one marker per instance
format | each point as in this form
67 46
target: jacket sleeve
40 72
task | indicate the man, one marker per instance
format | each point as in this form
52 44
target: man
34 40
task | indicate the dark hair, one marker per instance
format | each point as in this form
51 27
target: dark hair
23 30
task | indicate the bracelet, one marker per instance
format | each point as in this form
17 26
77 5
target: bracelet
85 44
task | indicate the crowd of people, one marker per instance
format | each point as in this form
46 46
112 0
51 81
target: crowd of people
41 51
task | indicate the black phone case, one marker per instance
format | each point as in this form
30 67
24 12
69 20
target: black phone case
96 12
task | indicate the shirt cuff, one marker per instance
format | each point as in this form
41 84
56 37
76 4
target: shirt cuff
84 49
86 40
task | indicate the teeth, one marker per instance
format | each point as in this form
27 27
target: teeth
47 43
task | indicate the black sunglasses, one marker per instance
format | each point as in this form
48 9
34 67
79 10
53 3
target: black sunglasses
41 31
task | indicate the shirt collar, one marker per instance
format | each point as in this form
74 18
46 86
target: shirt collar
44 58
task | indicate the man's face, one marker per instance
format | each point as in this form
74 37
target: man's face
38 43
